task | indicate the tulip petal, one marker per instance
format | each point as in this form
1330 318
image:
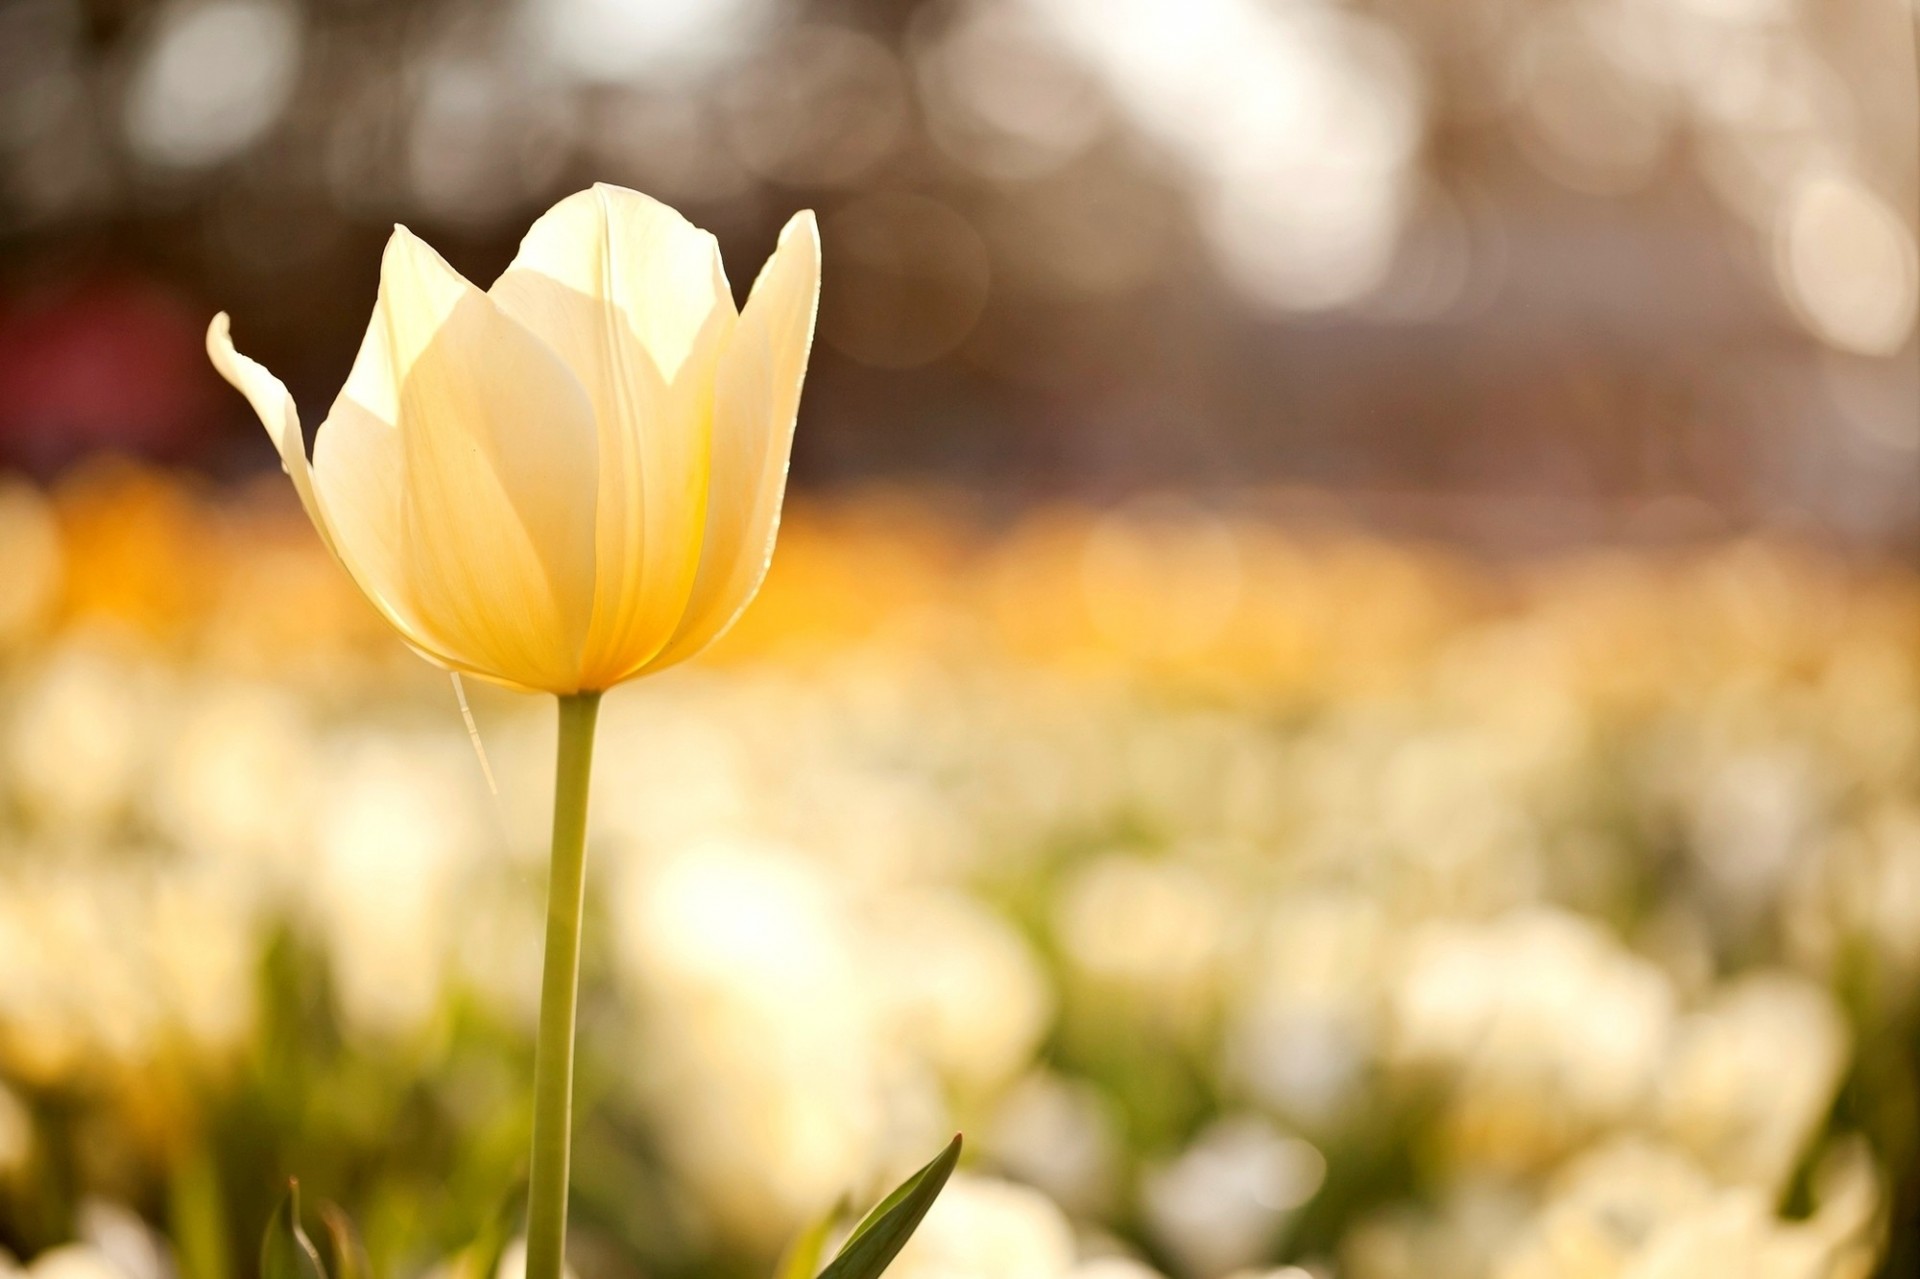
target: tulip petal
756 399
459 469
633 298
270 399
635 254
360 471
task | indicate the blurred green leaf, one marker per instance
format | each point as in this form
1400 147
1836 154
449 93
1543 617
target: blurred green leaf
286 1252
197 1215
481 1258
877 1240
349 1254
802 1257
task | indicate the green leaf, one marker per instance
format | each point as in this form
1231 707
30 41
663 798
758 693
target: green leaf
802 1257
877 1240
286 1252
349 1254
481 1258
197 1216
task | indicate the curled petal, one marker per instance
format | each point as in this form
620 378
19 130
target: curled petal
270 399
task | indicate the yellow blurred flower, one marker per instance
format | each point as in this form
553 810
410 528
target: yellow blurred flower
576 476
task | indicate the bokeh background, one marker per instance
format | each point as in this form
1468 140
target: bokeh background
1341 690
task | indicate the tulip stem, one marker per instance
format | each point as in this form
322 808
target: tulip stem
560 993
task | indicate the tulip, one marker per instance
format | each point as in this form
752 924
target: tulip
573 478
562 483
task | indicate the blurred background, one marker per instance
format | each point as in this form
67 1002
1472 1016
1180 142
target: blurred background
1522 269
1342 689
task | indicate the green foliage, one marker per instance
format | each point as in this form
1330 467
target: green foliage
877 1240
349 1254
802 1257
197 1216
286 1252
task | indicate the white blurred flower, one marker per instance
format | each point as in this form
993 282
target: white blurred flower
1750 819
1636 1211
1113 1268
764 1049
513 1261
1060 1136
1153 928
394 835
1751 1076
1456 1238
1605 1210
963 989
75 1261
981 1228
1308 1027
1550 1028
73 978
237 779
78 738
205 950
684 772
1223 1202
1864 888
499 948
1733 1238
124 1239
106 964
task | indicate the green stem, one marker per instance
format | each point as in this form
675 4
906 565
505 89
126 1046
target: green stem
560 993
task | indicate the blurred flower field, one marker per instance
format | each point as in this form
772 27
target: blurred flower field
1253 897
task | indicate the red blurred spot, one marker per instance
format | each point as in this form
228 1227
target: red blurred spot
106 365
